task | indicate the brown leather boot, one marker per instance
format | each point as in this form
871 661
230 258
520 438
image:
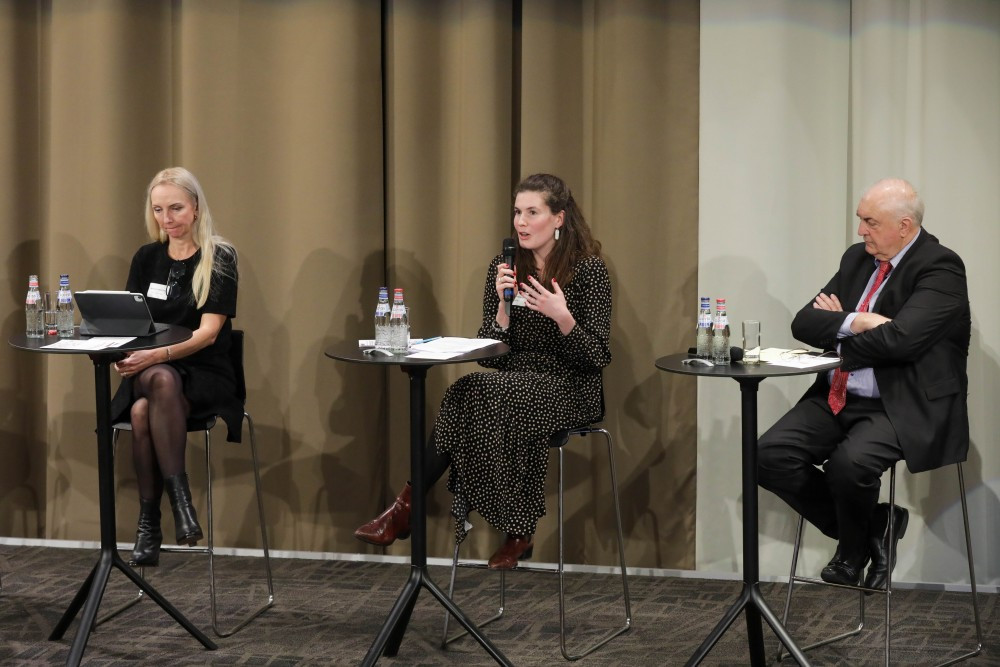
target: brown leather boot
390 524
514 548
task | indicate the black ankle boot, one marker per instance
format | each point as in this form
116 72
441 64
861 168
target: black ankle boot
185 519
148 536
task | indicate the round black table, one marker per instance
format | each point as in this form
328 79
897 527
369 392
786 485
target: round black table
90 593
391 635
750 599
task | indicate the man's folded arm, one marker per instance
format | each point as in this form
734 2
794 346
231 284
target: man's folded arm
818 327
935 306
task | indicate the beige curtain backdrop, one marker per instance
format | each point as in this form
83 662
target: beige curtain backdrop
344 145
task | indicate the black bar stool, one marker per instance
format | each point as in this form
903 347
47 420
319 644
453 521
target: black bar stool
558 442
206 425
793 578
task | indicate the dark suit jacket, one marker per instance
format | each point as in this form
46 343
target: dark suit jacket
919 357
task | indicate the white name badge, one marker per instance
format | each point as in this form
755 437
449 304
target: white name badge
157 291
519 300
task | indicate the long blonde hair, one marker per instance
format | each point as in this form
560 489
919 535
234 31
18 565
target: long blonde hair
203 231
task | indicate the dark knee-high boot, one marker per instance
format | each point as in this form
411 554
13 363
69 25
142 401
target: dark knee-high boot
148 536
185 518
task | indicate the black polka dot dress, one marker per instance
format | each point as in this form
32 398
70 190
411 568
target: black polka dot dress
496 425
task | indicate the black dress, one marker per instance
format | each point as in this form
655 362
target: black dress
209 380
496 425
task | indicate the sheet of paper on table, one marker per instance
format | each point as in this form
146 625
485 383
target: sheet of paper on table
432 355
798 358
447 347
95 343
440 347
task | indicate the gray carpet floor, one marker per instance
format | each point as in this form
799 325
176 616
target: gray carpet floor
328 613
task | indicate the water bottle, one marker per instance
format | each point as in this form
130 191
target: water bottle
382 319
703 332
720 334
64 308
34 310
399 324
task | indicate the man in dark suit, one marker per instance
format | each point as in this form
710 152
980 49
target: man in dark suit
897 310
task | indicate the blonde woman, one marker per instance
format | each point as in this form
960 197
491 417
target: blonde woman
189 277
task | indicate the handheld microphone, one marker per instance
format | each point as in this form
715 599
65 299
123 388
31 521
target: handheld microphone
509 248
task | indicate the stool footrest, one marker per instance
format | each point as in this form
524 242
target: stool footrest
821 582
519 568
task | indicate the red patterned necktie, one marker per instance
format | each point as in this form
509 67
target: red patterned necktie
838 387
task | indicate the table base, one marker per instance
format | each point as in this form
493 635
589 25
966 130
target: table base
90 593
391 635
752 601
89 597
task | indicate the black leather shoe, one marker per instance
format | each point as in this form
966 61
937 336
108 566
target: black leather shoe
878 542
148 536
844 570
188 530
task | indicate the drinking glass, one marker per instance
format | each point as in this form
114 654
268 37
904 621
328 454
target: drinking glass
751 342
50 313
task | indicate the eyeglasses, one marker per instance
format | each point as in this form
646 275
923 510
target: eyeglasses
177 271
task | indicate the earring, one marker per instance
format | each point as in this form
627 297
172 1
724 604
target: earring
557 233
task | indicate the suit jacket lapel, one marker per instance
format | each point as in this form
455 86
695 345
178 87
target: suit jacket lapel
893 287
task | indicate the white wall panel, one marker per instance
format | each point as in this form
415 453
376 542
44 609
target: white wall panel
803 105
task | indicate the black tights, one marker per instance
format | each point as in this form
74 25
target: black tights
159 428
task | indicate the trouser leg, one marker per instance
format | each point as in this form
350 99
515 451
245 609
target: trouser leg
854 469
788 459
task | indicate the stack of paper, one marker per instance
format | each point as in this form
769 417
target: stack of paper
798 358
447 347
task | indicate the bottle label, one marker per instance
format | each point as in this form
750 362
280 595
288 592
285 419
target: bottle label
381 309
721 322
705 320
65 297
398 310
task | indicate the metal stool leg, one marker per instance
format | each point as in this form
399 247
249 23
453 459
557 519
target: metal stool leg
972 574
263 536
561 570
445 639
888 591
793 577
209 549
892 559
621 556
